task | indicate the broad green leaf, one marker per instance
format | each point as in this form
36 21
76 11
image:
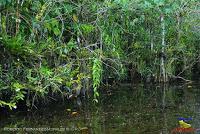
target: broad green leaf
87 28
54 22
56 31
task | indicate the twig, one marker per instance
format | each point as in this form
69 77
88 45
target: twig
173 76
189 65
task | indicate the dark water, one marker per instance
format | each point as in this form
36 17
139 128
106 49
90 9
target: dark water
141 109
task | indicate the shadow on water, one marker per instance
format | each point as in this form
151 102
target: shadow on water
142 109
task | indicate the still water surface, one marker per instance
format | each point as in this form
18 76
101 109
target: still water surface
141 109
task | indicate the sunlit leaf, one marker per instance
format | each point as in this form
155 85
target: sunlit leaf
75 18
56 31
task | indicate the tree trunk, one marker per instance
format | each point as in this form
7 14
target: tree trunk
151 36
162 66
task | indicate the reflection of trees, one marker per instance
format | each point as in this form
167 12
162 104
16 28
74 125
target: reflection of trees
143 109
176 102
196 108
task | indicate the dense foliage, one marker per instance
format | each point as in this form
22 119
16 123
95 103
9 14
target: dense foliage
48 44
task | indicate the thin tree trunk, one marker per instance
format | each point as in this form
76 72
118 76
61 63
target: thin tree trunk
163 73
17 18
0 24
178 28
151 36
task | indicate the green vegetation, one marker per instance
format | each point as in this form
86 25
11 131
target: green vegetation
48 44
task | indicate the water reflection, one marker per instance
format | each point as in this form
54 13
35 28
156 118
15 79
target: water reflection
143 109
